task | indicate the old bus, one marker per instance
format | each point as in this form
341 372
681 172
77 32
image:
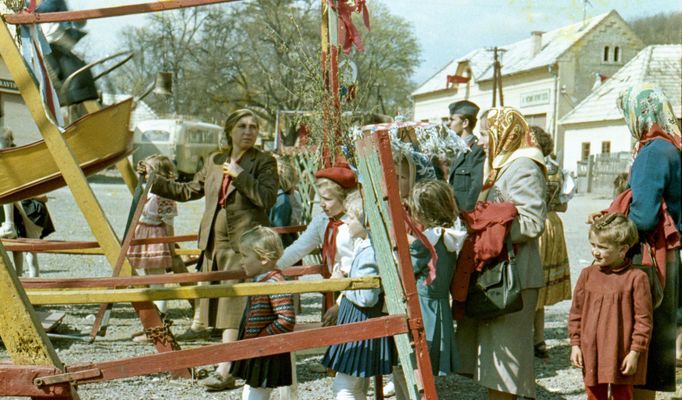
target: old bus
186 143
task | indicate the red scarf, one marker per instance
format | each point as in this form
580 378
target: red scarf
663 238
227 180
656 132
419 233
329 245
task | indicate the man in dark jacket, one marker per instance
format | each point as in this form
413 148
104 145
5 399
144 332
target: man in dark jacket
466 171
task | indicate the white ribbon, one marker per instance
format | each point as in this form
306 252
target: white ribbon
453 238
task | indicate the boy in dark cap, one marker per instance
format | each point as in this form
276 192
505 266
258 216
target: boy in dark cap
466 171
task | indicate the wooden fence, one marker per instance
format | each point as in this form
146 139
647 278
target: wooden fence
596 175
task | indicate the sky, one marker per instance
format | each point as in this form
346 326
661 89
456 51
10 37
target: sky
445 29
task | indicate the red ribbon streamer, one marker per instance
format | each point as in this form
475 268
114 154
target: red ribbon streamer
419 234
329 243
347 30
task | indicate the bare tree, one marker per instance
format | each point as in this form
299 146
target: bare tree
265 55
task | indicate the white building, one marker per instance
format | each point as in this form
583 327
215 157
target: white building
544 76
597 126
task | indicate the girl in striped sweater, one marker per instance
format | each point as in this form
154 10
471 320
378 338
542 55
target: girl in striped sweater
264 315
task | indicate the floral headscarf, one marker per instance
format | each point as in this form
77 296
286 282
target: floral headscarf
648 114
509 138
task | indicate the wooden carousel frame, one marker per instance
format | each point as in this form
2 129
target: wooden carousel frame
36 370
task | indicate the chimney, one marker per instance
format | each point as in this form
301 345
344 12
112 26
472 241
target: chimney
536 42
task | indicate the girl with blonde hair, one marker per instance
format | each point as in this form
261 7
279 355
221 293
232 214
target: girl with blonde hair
610 321
433 206
264 315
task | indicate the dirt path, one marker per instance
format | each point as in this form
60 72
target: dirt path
555 378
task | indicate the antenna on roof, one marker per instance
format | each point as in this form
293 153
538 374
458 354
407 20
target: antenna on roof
585 4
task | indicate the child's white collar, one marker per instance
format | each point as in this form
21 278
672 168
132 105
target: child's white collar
453 238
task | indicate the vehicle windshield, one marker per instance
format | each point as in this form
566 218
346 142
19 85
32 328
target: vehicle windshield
155 136
197 135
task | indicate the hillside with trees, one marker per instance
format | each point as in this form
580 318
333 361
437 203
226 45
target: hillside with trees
663 28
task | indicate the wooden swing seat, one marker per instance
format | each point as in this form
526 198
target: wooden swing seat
97 140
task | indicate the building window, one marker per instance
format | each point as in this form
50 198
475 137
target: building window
616 54
585 154
606 54
605 147
537 120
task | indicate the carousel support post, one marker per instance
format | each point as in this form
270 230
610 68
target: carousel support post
331 112
334 78
324 37
74 178
22 333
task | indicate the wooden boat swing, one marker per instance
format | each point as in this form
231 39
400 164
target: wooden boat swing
96 140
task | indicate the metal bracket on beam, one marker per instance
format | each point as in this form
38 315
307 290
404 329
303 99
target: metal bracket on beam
415 323
71 377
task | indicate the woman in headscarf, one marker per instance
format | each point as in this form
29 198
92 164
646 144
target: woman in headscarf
656 178
498 353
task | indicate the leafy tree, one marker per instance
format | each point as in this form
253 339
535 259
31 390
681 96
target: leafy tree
265 55
168 43
384 68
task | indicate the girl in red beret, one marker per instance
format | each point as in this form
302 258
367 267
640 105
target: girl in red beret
327 229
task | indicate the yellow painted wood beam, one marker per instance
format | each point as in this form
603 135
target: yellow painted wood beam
80 296
20 329
73 175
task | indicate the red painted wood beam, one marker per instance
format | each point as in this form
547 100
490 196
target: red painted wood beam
36 245
150 318
17 380
124 281
243 349
80 15
399 237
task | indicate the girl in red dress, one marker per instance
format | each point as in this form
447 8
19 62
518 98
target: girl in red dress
610 321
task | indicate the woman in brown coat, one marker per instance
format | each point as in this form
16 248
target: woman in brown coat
240 186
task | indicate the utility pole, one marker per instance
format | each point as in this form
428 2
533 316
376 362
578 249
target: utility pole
497 75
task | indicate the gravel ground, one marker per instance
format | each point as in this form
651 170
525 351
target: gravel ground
555 378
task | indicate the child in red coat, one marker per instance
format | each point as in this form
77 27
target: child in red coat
610 320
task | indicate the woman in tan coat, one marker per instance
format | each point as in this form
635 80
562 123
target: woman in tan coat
240 186
498 353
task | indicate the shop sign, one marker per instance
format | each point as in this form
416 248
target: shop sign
8 85
537 98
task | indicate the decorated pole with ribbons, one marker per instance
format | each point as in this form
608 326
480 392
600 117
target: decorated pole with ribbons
329 53
337 23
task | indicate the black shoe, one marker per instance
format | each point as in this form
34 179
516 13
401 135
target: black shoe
540 350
